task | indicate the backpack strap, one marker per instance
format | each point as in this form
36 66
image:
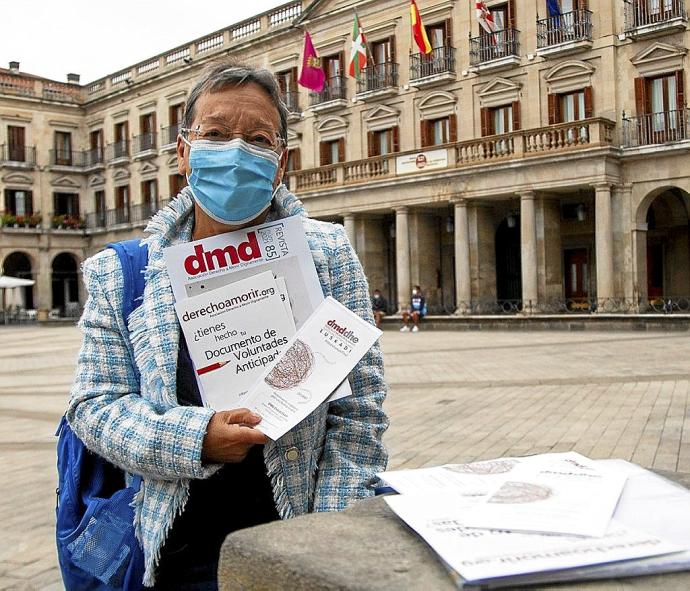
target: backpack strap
134 256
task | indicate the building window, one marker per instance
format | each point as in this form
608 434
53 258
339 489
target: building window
332 152
335 82
63 148
147 129
18 203
570 106
435 132
66 204
95 146
99 208
294 161
121 139
439 34
384 142
498 120
149 193
660 102
16 143
176 183
175 114
287 81
122 204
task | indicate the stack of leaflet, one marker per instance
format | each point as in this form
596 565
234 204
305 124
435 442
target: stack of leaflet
545 518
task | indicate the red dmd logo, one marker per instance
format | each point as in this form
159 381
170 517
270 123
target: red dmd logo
202 261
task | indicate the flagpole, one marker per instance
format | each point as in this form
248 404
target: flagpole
366 44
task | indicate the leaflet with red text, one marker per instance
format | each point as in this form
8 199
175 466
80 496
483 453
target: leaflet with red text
280 246
322 353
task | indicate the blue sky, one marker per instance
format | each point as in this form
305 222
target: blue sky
94 38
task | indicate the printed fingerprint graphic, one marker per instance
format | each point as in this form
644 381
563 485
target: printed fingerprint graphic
483 468
295 367
521 492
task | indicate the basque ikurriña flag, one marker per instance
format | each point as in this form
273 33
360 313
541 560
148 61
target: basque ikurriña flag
312 76
418 30
358 53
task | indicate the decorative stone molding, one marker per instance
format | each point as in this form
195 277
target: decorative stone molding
437 104
97 181
499 92
285 62
441 11
381 117
331 46
120 115
382 30
121 175
147 107
172 162
148 168
332 128
58 123
176 97
65 182
16 178
569 76
659 58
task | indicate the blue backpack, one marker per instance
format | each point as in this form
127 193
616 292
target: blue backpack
96 546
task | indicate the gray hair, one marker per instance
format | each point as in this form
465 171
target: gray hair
220 75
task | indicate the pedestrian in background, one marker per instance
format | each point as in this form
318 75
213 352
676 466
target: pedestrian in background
416 311
379 306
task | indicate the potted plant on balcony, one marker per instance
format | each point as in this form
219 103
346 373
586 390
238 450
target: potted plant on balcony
8 220
35 220
58 221
20 221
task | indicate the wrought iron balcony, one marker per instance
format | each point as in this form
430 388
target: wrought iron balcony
291 100
118 150
21 155
569 27
656 128
67 158
169 134
94 157
139 213
378 77
334 90
646 17
144 142
441 60
490 47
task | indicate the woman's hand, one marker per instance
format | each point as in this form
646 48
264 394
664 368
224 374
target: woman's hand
229 436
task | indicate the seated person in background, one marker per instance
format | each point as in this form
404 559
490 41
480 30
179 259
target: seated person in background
416 312
379 305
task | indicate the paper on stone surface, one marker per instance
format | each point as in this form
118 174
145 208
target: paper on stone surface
485 554
569 494
322 353
281 246
232 334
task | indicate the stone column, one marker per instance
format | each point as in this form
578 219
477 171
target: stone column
528 252
350 229
402 257
463 284
603 236
43 291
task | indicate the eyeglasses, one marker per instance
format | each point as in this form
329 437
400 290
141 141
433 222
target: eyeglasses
261 138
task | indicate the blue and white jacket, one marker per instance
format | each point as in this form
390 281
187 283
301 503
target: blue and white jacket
138 425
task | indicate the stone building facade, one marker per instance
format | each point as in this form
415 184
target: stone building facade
541 168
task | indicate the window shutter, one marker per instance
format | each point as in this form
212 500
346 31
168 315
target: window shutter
395 132
453 128
589 103
511 14
516 116
324 154
449 33
641 96
554 109
371 144
424 132
391 44
680 90
485 117
29 202
341 149
296 159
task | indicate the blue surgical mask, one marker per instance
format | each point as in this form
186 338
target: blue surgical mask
232 181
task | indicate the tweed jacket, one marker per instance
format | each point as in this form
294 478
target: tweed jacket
124 402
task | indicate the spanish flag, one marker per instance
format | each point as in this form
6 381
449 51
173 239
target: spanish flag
418 30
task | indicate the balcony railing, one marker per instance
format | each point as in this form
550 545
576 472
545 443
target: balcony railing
25 155
441 60
334 90
656 128
644 13
67 158
144 142
118 150
494 46
94 156
291 100
564 28
138 213
378 77
169 134
542 141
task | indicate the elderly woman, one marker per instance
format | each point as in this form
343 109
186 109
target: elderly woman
205 473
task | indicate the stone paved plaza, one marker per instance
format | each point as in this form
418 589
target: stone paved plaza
454 397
